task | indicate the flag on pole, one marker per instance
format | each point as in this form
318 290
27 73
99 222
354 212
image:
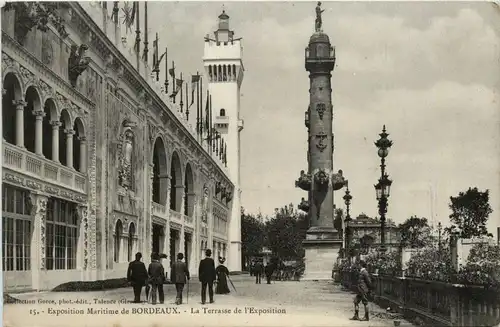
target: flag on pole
171 72
128 16
178 87
206 114
194 80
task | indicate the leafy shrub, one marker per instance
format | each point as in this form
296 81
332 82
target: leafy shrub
432 263
482 267
385 263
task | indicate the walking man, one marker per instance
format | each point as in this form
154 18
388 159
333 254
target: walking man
364 288
269 272
161 293
179 275
258 270
137 275
207 275
156 277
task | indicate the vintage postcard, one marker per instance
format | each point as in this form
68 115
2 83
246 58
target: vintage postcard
250 163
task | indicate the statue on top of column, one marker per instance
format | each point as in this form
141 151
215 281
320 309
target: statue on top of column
319 22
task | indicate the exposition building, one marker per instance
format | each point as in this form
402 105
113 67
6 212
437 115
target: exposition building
98 162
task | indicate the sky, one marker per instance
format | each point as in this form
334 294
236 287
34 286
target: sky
429 71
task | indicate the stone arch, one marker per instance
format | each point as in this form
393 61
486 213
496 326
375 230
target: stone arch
79 146
118 234
32 109
131 240
65 125
50 127
160 172
12 98
189 194
222 112
176 187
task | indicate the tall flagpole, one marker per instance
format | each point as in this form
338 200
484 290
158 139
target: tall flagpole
180 103
201 108
198 106
210 120
187 102
146 50
174 84
166 71
138 35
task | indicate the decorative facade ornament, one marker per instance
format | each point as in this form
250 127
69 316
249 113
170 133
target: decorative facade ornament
8 62
126 149
153 130
35 14
321 108
204 205
321 145
304 205
77 62
84 223
304 181
218 187
38 204
338 181
47 51
229 197
321 178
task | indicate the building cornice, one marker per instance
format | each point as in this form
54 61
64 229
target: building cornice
141 84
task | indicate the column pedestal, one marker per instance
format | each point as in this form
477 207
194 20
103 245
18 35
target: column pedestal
322 246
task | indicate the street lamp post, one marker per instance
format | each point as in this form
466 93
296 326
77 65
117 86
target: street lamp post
383 187
347 230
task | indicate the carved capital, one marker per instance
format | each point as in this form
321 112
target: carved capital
39 114
69 132
19 104
55 124
82 139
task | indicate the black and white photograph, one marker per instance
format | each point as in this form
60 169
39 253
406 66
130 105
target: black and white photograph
250 163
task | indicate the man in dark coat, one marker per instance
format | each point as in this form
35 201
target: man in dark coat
161 294
137 275
156 277
258 271
207 275
179 275
364 288
269 269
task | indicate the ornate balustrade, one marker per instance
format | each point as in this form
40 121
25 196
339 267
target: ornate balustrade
435 303
187 219
28 163
176 216
158 209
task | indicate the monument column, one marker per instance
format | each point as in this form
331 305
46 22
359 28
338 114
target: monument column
322 242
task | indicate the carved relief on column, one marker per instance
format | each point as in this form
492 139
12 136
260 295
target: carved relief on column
150 226
38 203
84 224
125 153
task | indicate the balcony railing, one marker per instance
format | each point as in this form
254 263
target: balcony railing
174 215
188 219
158 209
28 163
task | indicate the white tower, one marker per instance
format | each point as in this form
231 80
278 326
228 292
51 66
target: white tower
224 69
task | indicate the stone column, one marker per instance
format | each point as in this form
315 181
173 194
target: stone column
83 153
19 104
69 147
38 131
39 211
55 140
192 203
148 227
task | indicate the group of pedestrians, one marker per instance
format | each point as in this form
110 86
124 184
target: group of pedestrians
154 277
258 269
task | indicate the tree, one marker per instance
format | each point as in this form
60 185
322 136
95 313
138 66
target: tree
470 212
286 231
415 232
252 235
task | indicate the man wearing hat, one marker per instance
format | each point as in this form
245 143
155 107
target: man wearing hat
179 276
137 275
207 275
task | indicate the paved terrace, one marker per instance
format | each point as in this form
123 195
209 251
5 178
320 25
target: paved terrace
305 304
